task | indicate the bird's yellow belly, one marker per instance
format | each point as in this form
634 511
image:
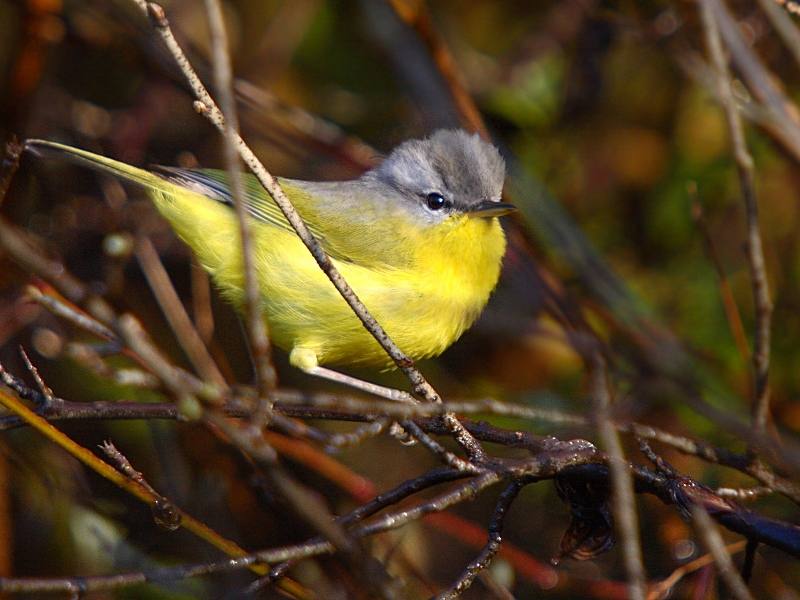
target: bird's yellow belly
306 311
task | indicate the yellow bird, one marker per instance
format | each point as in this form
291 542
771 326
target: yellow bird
417 238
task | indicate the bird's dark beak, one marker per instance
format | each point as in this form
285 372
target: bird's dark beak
487 209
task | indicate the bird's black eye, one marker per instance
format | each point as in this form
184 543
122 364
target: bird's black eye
435 201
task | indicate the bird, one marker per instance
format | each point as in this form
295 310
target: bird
417 238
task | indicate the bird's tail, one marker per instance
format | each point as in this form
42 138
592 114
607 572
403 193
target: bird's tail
193 202
99 163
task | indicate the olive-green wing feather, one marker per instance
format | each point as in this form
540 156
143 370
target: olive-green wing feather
215 184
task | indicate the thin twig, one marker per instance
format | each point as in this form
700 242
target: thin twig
416 15
357 436
257 334
784 25
624 503
69 313
176 314
749 560
754 468
17 244
165 513
728 300
179 382
709 13
188 389
663 588
88 356
484 559
781 121
447 457
202 314
767 113
47 393
125 466
462 492
288 125
713 540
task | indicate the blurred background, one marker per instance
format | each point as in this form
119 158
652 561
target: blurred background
619 160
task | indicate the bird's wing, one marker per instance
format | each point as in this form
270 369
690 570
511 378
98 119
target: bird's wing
343 237
215 184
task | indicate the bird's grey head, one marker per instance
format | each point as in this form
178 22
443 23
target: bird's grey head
448 173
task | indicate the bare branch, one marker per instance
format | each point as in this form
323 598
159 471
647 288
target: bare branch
484 559
710 12
175 313
728 301
713 540
662 589
256 325
624 504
